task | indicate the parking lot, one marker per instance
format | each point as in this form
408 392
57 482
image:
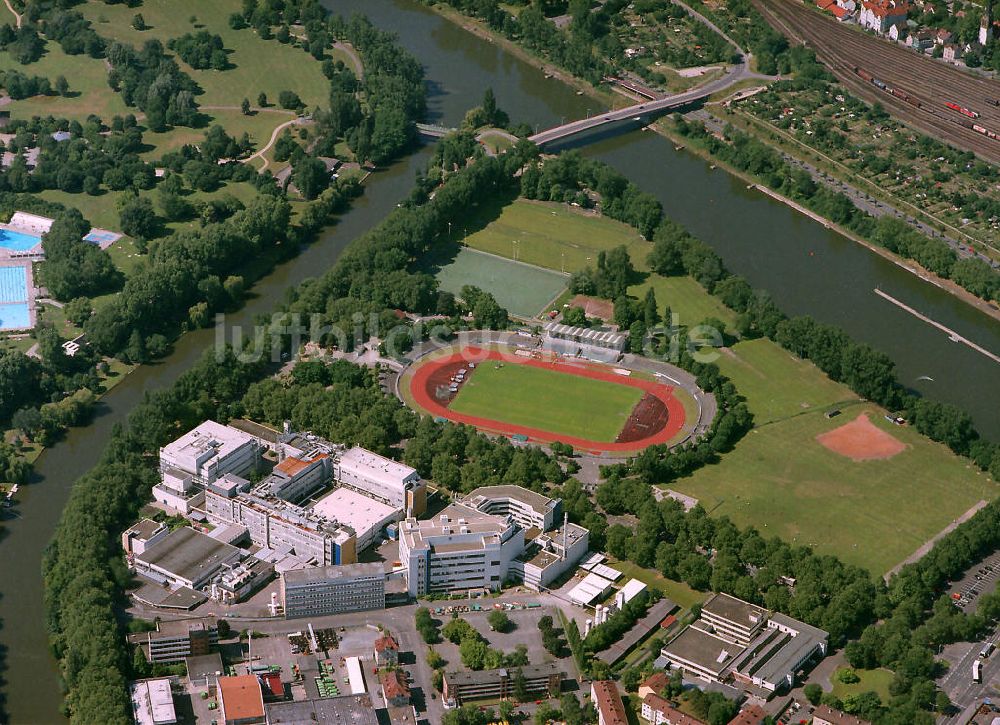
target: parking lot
978 580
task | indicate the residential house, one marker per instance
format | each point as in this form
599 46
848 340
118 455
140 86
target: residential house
879 15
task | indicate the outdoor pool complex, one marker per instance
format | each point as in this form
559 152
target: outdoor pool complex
14 310
17 241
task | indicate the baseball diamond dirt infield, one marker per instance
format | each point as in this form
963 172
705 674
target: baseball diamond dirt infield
860 440
657 418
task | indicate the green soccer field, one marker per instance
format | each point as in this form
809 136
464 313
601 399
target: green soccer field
559 403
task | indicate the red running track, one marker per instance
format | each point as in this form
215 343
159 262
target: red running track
675 419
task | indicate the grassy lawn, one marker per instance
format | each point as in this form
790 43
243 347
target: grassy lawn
552 401
260 65
88 84
686 298
778 385
522 289
557 236
873 513
871 681
679 592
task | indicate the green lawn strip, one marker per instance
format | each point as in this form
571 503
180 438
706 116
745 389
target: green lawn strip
871 681
523 289
871 513
557 236
777 384
552 401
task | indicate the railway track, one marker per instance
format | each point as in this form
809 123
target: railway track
930 83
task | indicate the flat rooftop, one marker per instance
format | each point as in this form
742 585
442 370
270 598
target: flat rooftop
703 649
356 510
144 528
208 436
378 468
318 574
735 610
188 554
152 702
590 588
461 678
348 710
201 666
538 502
438 532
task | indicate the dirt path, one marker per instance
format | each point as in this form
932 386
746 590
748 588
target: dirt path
919 553
348 49
17 17
274 137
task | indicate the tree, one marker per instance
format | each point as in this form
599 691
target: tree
62 85
520 686
138 22
262 100
813 693
136 217
289 100
245 107
310 176
78 310
498 621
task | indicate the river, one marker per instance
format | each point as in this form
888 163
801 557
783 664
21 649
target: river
807 268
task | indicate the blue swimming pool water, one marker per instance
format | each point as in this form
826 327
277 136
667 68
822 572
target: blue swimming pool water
13 284
17 241
14 316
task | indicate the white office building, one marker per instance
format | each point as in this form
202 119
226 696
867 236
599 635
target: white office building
326 590
461 549
382 478
526 507
198 458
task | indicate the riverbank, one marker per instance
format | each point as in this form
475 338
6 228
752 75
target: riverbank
477 28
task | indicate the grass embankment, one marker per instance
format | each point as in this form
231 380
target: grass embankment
558 402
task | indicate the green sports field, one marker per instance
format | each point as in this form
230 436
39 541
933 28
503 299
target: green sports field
557 236
552 401
778 478
522 289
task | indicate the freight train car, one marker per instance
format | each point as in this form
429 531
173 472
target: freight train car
961 109
986 132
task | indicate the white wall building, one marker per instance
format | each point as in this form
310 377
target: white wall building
383 479
198 458
526 507
461 549
333 590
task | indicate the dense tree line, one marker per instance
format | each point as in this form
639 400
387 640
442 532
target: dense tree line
24 44
20 86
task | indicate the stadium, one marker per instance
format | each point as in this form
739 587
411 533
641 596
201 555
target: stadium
531 394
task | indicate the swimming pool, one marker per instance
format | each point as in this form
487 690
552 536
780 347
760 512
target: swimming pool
13 284
17 241
14 316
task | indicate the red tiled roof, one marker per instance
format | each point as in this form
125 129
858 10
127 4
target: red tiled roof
825 4
884 8
273 682
752 715
668 621
657 681
838 12
609 703
672 714
241 697
827 713
394 684
386 642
